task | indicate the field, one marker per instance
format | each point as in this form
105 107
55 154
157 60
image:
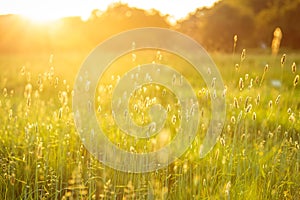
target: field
257 155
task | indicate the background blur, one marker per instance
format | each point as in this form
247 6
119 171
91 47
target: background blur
253 21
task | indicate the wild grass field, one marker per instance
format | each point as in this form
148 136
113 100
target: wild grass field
257 155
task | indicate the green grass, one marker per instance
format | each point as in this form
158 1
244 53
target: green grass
42 157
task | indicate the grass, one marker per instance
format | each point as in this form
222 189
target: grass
256 157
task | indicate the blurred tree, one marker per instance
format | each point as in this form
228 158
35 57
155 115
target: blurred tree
252 20
215 28
283 14
120 17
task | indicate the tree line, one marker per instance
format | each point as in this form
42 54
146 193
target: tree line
252 21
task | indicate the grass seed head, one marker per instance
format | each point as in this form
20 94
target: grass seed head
294 67
292 118
257 99
236 103
22 71
237 66
251 83
248 109
296 80
270 104
28 90
277 99
282 60
247 102
243 55
10 114
5 92
232 119
235 39
266 68
254 116
241 84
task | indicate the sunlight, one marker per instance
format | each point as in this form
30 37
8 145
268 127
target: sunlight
46 11
39 18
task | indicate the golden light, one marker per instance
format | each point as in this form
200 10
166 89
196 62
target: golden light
38 18
41 11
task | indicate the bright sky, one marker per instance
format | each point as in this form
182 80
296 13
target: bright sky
41 10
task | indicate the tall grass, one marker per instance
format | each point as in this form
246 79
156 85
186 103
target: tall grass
256 157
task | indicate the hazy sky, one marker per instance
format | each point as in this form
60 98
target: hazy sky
53 9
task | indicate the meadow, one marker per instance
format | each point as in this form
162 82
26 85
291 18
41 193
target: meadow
257 155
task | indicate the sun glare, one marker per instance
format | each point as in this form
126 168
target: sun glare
39 11
40 18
